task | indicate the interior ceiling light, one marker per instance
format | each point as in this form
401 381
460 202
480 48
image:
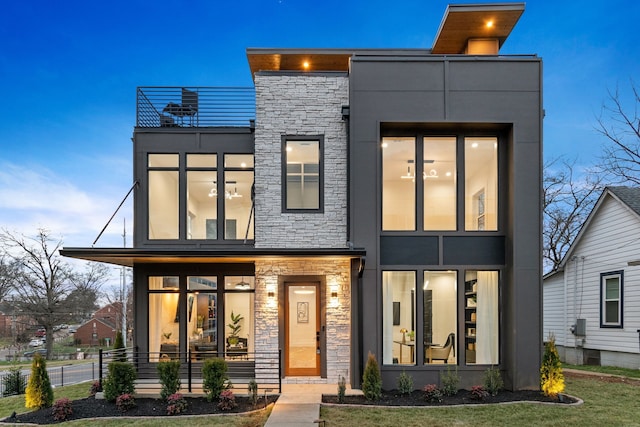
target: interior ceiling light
242 285
409 175
432 174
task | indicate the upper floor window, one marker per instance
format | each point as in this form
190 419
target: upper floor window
163 196
425 195
611 299
302 174
188 193
481 183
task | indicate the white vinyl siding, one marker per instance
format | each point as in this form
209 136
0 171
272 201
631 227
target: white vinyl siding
608 243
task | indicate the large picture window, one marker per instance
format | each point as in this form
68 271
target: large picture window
205 312
611 299
302 174
420 189
208 198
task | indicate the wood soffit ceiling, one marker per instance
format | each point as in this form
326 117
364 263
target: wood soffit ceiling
461 23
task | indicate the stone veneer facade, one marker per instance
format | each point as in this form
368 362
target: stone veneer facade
337 320
300 105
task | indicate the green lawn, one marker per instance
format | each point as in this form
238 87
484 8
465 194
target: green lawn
631 373
606 404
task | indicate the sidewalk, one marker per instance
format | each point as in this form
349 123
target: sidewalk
299 404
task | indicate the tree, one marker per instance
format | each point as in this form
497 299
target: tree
568 200
42 282
7 276
620 125
39 391
551 376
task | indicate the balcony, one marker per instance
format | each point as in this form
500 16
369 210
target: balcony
180 107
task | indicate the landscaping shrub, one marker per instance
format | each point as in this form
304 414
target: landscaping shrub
405 383
14 382
62 409
227 400
493 380
551 376
252 387
176 404
450 381
371 379
432 393
214 377
125 401
342 389
95 388
478 392
169 373
120 354
39 390
120 380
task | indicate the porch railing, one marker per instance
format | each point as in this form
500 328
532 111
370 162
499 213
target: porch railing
180 107
263 367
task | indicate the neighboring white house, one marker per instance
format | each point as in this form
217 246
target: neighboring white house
592 301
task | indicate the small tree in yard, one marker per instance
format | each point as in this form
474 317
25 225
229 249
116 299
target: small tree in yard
551 376
39 390
118 347
120 380
169 372
214 377
371 379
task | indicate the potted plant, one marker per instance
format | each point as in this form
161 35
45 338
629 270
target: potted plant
235 327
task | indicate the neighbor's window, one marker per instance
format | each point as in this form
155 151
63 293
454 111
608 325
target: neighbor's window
163 196
611 299
398 317
398 183
481 183
439 316
439 178
302 174
481 317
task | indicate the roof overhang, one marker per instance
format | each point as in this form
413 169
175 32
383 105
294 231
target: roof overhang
127 257
463 22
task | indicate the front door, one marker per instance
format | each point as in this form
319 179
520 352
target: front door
302 329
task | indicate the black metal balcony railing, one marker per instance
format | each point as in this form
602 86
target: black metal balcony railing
195 107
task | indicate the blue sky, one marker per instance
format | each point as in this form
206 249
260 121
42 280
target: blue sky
69 72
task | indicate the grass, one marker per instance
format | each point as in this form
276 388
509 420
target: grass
612 370
80 391
610 404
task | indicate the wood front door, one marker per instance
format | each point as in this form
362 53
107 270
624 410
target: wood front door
302 329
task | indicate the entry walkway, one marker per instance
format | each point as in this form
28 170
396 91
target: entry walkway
299 404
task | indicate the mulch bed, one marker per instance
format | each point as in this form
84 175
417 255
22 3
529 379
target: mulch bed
91 407
417 398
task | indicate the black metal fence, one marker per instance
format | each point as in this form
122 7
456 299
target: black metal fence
59 376
178 107
263 367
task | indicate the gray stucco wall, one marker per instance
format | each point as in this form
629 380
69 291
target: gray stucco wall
300 105
499 93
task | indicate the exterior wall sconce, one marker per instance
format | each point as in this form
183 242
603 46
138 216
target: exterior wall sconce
271 294
334 294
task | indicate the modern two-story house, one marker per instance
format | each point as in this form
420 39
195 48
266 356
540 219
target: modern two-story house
352 201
